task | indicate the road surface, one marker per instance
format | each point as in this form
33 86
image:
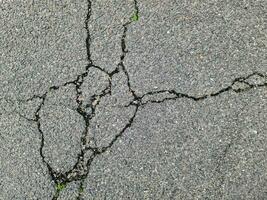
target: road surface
131 99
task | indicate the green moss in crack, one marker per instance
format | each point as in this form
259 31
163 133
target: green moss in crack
135 17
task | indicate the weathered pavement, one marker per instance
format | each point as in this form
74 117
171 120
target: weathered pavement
133 99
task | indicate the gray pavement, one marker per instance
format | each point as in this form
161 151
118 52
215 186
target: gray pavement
133 99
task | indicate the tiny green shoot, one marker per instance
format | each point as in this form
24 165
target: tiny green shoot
135 17
81 190
60 186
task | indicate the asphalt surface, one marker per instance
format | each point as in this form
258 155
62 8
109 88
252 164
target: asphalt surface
132 99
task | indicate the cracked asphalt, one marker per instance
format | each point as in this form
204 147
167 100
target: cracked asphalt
131 99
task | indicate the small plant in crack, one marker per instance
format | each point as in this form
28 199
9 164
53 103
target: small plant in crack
60 187
135 17
81 190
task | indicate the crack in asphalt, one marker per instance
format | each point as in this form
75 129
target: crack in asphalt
178 95
125 51
82 166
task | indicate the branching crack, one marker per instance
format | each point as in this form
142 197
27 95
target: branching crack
173 95
82 166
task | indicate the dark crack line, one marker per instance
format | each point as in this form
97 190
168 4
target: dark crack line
82 166
136 8
125 51
37 120
88 38
80 170
177 95
100 150
75 173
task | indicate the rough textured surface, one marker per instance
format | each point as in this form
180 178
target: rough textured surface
133 100
71 192
23 174
195 46
215 149
106 27
62 127
40 45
